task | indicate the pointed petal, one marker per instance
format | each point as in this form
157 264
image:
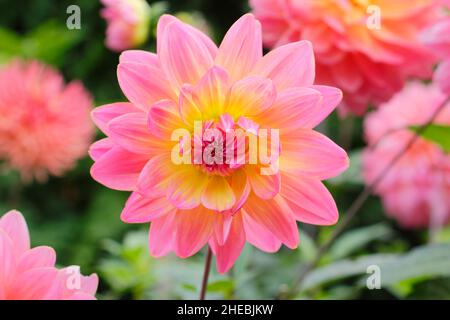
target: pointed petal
104 114
163 119
241 47
259 236
264 186
154 177
139 209
100 147
291 65
38 257
15 226
162 235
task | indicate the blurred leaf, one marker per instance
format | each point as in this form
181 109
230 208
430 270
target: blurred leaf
352 175
357 239
436 133
308 249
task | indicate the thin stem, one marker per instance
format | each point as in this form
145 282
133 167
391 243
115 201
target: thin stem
206 274
357 205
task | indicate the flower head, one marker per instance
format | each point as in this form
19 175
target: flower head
416 190
185 143
365 47
128 23
30 273
44 124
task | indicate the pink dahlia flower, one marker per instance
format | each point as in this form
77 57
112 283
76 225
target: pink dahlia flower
438 38
366 48
128 23
44 124
30 273
190 83
416 192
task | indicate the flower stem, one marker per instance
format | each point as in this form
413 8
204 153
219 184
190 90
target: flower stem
206 274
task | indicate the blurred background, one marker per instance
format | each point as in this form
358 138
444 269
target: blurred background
80 218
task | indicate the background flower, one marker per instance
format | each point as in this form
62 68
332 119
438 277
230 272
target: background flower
369 62
417 189
30 273
128 23
44 124
232 86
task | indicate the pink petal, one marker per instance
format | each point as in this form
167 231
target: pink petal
222 227
100 147
143 84
104 114
38 257
275 216
251 96
154 178
241 187
309 200
264 186
193 230
163 119
183 55
139 209
119 169
241 47
227 253
37 284
137 56
161 235
7 259
310 153
291 65
131 132
15 226
259 236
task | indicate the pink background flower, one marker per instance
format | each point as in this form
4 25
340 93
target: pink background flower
233 86
416 192
44 124
369 64
30 274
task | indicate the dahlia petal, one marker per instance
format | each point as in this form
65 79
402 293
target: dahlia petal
131 132
161 235
183 56
291 65
228 252
241 47
259 236
186 186
143 84
104 114
222 227
210 94
218 194
154 177
309 200
137 56
251 96
264 186
38 257
295 108
166 19
37 284
139 209
189 110
100 147
276 216
312 154
119 169
7 257
163 119
331 97
241 187
15 226
193 230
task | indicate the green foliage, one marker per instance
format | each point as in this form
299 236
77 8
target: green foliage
436 133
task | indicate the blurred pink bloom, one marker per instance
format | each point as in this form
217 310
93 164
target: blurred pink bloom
233 86
128 23
44 124
30 273
438 38
417 190
368 61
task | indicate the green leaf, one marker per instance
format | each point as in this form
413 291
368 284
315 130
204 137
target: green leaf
357 239
436 133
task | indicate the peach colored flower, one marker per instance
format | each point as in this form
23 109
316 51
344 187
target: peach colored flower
222 203
368 58
438 38
44 124
416 192
128 23
30 273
